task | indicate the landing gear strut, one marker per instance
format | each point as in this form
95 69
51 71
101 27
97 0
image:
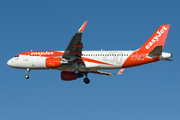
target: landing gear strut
27 76
76 71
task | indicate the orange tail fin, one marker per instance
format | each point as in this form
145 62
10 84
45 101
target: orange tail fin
157 39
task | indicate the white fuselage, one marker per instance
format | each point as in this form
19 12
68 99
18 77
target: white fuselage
92 59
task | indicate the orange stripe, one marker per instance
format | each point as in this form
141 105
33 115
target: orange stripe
95 61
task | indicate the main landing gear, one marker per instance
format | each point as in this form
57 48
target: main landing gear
86 80
27 76
76 71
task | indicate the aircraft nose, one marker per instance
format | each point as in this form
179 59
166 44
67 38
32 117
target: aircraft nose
9 62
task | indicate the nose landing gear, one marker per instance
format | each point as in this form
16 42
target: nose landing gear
27 76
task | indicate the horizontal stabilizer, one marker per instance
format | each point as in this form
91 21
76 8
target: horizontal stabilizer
167 59
156 51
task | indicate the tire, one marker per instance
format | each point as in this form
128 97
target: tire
76 71
86 80
27 76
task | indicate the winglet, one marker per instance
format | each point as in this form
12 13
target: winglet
121 71
81 29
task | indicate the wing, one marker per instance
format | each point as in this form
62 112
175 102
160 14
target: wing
107 73
74 48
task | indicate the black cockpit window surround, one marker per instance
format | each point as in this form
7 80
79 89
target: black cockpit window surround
16 56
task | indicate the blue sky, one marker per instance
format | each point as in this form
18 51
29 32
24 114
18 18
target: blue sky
141 93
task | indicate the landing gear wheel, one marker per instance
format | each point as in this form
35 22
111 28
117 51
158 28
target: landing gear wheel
76 71
86 80
27 76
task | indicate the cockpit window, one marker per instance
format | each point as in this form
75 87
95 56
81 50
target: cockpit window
17 56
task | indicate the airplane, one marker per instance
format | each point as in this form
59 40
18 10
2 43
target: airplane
75 63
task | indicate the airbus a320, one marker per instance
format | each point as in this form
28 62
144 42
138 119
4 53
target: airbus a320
75 63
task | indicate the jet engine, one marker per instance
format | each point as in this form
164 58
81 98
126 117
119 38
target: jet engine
69 76
53 62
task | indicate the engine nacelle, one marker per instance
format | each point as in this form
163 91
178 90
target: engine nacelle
53 62
68 76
